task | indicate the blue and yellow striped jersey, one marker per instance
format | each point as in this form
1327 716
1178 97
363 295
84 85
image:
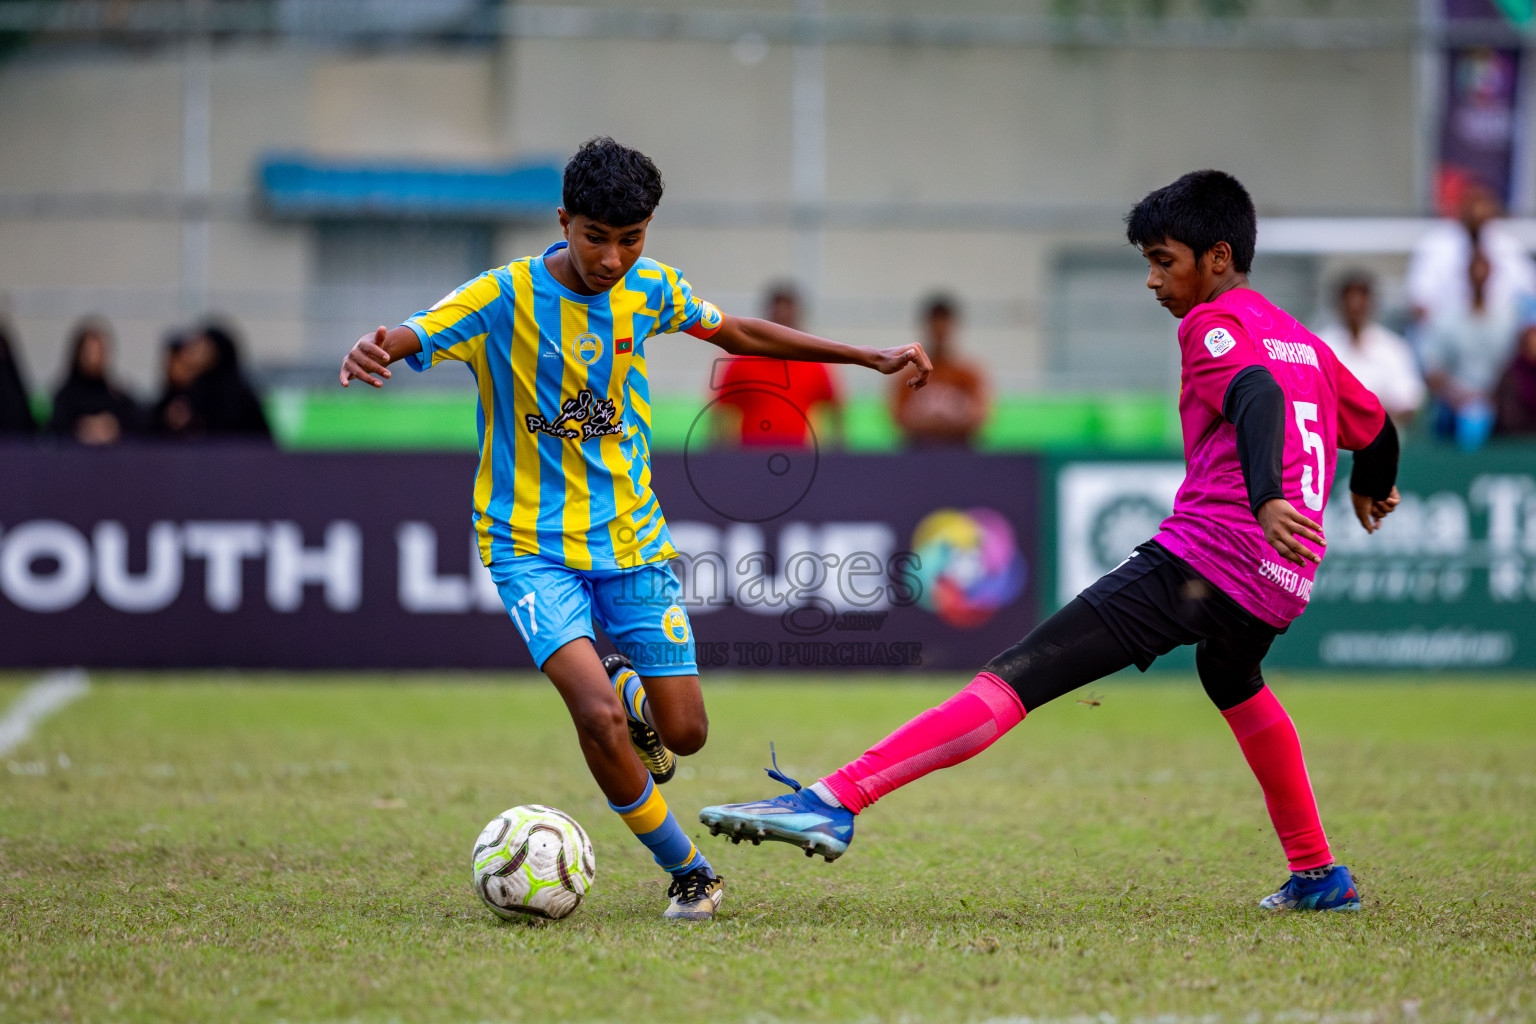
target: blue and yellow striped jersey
565 415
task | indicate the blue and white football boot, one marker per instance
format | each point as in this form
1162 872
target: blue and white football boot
800 818
1334 891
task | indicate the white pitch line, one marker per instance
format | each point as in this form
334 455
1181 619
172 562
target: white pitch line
50 693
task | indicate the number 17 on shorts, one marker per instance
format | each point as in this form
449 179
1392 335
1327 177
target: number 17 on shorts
639 608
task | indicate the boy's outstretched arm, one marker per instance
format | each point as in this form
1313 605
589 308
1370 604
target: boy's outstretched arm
748 336
374 352
1373 481
1370 510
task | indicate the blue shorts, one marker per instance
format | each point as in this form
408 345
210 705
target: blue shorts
639 608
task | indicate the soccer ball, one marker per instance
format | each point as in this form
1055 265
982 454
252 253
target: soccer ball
533 861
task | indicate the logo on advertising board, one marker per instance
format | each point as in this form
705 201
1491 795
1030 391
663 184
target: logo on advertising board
1448 581
281 550
1105 509
970 564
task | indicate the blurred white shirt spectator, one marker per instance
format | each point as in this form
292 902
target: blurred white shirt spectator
1465 352
1379 358
1437 269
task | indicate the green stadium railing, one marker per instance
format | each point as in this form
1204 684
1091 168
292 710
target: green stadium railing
435 420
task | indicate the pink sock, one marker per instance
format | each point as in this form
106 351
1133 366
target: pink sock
1269 742
955 731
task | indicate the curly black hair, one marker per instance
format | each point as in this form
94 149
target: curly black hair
611 183
1199 210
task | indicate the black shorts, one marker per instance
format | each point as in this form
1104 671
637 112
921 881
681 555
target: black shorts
1155 601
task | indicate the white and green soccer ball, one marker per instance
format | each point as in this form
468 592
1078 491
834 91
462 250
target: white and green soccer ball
533 861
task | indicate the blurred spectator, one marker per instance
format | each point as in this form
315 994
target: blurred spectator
1464 351
1515 397
1380 359
15 400
779 402
953 405
173 415
222 400
88 407
1437 280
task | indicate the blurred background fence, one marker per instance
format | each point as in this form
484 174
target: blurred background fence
310 168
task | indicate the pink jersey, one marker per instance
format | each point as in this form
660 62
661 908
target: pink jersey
1212 527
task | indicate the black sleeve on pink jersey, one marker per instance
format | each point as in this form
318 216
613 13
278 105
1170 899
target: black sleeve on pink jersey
1375 472
1255 405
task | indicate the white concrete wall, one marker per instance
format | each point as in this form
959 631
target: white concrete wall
1305 131
1082 129
110 126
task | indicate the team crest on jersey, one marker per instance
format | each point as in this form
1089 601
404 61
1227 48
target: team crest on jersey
675 624
711 318
588 348
1219 342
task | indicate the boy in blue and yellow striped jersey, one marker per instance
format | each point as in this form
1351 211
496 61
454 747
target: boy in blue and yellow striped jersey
563 505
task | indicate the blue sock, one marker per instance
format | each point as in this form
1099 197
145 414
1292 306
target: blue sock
652 823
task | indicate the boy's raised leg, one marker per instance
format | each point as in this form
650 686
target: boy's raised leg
677 709
1071 648
602 728
819 819
635 699
957 730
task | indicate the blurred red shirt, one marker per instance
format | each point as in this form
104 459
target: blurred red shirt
775 398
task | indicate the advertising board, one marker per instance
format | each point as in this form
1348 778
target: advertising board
231 556
1449 582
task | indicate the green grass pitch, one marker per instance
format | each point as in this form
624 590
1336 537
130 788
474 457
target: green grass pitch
297 848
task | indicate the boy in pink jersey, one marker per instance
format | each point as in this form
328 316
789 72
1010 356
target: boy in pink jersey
1265 406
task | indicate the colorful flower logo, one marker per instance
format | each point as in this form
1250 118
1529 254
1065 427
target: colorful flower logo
971 564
